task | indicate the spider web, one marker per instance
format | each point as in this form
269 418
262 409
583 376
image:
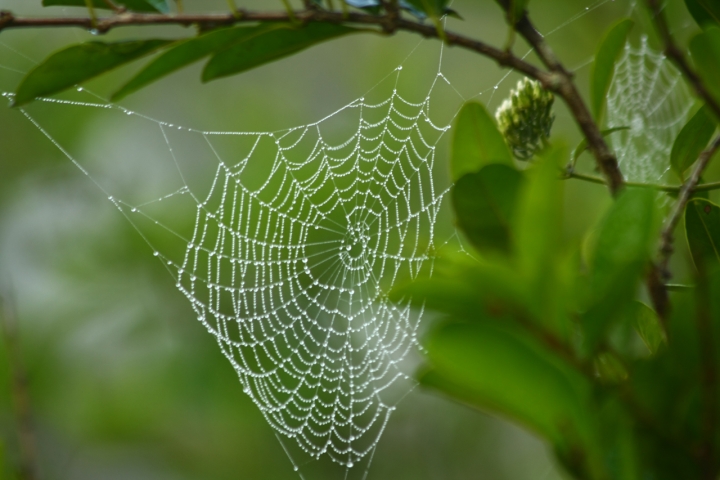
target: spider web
287 248
648 95
296 238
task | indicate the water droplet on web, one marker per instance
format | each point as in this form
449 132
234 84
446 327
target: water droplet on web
156 254
94 31
79 89
133 209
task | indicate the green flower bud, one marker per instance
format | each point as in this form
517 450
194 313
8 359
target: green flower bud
525 119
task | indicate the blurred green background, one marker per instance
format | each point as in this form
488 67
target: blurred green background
123 381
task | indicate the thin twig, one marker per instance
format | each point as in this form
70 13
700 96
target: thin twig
21 397
704 187
689 187
677 56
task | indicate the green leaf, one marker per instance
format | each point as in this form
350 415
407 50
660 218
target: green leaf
430 8
692 140
705 50
269 45
604 66
503 370
583 145
477 142
187 52
648 327
160 6
702 225
621 253
484 204
78 63
705 12
465 288
538 223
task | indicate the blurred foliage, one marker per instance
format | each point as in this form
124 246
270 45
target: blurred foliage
542 319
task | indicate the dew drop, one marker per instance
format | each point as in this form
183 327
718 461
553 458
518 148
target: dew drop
80 89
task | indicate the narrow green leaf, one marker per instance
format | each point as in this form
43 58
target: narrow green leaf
583 145
692 140
78 63
186 52
269 45
705 12
160 6
648 327
484 204
702 225
621 253
477 141
504 371
604 66
538 224
705 50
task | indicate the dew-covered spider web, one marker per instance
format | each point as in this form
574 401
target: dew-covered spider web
648 95
286 243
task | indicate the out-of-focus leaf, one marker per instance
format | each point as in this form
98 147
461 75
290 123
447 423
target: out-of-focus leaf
465 288
430 8
539 249
705 49
78 63
583 145
477 141
692 140
187 52
492 367
648 327
610 368
133 5
271 45
705 12
702 225
604 65
484 204
539 218
621 252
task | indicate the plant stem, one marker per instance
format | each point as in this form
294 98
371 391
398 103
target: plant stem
21 396
91 12
704 187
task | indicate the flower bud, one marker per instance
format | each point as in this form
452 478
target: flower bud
525 119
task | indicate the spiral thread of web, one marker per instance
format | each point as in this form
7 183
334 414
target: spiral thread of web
649 97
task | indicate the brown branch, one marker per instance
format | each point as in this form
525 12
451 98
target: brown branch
708 377
565 87
677 56
559 80
688 188
21 397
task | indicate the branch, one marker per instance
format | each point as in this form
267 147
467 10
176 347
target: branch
689 187
558 80
677 56
565 87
